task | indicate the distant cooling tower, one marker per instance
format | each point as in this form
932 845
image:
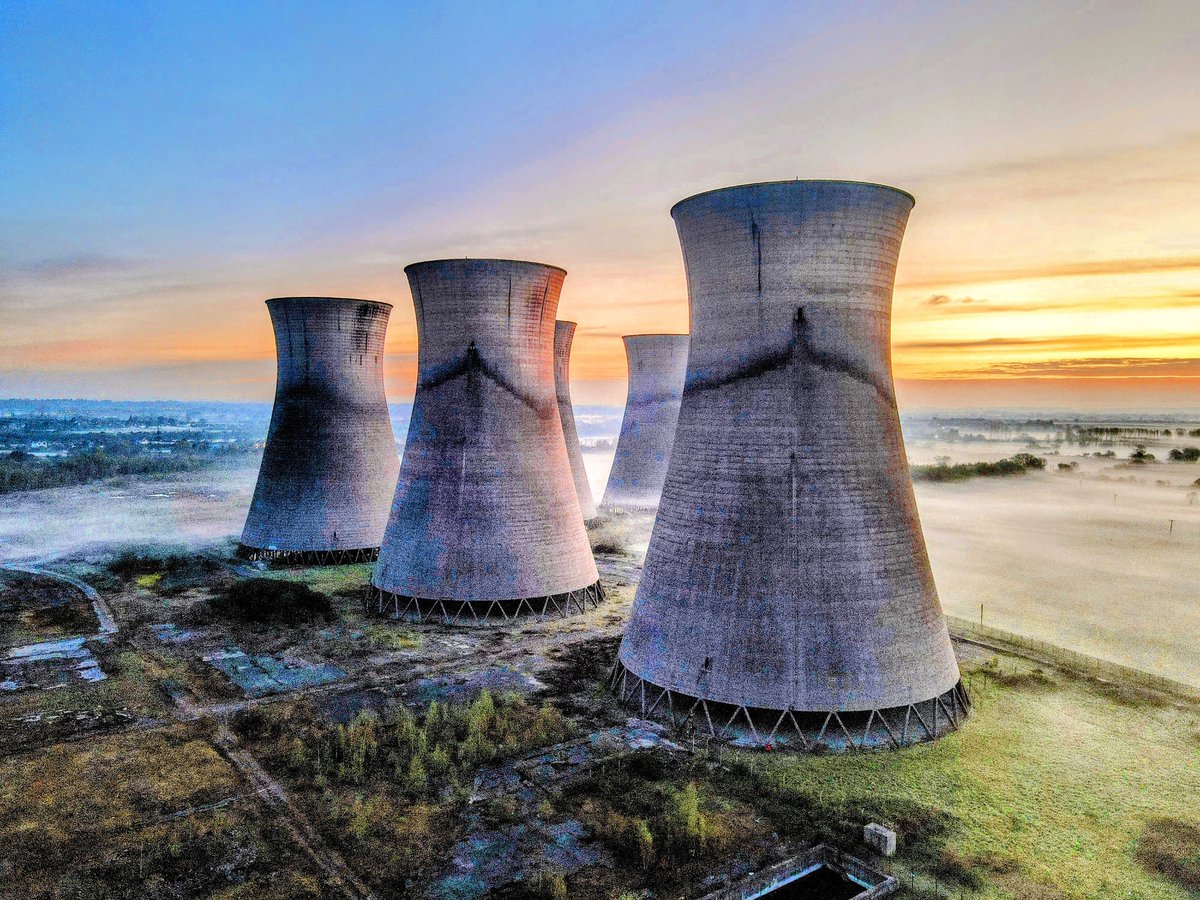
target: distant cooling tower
564 334
330 461
787 595
657 364
486 523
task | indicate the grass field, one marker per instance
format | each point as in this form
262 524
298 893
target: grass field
1054 789
153 813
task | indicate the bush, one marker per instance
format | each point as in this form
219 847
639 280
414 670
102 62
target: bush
1185 454
1141 456
548 884
1016 465
269 600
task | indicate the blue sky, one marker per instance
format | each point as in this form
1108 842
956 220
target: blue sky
167 166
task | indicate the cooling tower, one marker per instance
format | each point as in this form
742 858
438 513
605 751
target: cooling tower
486 523
330 462
564 334
657 363
787 597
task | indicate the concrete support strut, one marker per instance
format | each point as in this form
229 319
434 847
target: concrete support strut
657 365
787 573
483 612
793 729
308 557
486 515
564 335
329 464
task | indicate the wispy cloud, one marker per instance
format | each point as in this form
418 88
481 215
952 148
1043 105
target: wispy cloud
1103 267
1090 367
947 300
1081 342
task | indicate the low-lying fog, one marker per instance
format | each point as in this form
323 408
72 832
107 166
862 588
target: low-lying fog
1085 558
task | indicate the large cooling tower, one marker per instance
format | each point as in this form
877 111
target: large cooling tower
657 363
330 461
564 334
486 523
787 595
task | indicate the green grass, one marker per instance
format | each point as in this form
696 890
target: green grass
1049 788
328 579
393 637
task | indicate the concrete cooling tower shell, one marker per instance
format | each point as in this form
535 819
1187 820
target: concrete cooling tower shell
564 334
787 596
486 523
330 462
657 364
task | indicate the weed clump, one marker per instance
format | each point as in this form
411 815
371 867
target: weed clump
272 601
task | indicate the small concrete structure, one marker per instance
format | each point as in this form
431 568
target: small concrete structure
880 839
564 335
657 365
787 599
860 882
329 465
486 523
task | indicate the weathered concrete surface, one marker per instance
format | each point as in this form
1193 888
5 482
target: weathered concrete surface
657 365
329 466
485 506
564 334
787 569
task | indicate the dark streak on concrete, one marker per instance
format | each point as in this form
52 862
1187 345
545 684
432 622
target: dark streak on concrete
472 363
800 351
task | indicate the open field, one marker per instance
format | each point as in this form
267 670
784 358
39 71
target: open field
1056 788
151 813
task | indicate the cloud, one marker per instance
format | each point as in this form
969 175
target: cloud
72 265
946 300
1093 367
1057 342
1101 267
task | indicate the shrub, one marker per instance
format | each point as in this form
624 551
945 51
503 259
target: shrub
1185 454
1141 456
269 600
1016 465
548 884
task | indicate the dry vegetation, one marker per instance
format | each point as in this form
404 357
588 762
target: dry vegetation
111 819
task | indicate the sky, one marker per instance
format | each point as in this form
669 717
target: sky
165 167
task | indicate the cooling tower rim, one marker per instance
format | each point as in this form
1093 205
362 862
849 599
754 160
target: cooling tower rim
481 259
566 321
655 334
754 184
382 303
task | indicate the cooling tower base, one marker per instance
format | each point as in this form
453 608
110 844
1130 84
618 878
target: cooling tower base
483 612
308 557
783 729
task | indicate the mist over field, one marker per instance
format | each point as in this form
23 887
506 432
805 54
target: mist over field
1086 558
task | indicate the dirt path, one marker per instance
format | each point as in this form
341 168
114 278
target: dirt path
297 824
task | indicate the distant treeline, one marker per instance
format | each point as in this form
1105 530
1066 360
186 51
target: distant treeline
21 471
1014 465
